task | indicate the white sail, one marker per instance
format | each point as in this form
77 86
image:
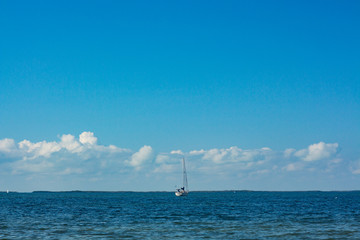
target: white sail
185 188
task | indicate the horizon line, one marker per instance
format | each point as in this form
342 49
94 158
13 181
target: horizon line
161 191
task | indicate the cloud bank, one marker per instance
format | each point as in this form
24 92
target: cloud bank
82 156
69 155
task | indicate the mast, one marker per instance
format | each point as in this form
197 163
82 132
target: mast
185 182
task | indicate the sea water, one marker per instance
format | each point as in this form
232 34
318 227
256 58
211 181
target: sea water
162 215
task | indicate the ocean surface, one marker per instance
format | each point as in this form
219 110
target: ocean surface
161 215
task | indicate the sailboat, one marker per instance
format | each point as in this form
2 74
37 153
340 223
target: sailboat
184 190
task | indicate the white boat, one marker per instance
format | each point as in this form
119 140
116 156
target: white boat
184 190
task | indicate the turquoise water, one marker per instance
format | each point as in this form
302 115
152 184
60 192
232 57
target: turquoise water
214 215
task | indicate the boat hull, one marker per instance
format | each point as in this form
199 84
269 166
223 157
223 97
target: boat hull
181 194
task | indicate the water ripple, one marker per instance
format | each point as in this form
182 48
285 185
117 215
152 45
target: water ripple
215 215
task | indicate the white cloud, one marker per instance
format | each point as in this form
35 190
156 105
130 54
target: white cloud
8 149
318 151
88 138
313 153
355 167
234 154
162 158
68 171
293 167
7 145
166 168
140 157
69 142
215 155
289 152
39 149
67 156
197 152
177 152
39 166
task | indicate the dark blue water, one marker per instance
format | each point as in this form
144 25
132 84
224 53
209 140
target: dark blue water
221 215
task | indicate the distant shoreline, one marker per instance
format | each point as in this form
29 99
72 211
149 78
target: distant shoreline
81 191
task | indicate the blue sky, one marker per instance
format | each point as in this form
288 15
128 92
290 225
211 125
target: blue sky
110 95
